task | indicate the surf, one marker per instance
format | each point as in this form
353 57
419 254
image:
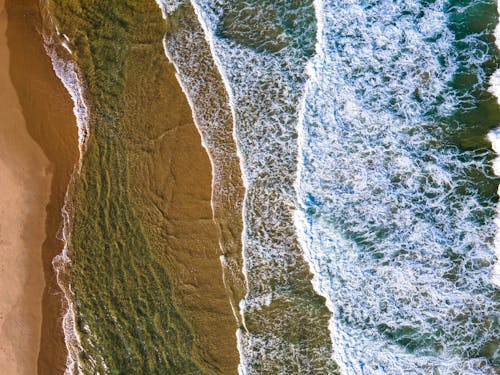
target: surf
397 231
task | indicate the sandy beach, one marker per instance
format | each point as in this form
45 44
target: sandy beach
24 193
37 151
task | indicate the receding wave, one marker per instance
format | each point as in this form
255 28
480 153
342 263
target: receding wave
186 47
261 49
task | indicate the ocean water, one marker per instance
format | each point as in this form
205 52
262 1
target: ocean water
366 138
371 122
140 259
396 188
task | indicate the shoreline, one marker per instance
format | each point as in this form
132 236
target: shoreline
47 110
66 71
160 178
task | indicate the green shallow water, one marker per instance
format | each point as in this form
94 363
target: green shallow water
122 235
469 126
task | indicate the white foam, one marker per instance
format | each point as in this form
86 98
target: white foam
67 72
495 78
494 138
495 85
169 6
383 218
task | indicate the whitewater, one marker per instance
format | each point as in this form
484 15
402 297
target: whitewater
364 134
392 222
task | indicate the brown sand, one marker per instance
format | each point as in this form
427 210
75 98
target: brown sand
46 108
37 151
24 192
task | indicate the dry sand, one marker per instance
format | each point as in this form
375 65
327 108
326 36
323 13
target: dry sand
24 192
37 152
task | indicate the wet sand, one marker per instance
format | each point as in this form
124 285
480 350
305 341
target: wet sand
37 151
177 170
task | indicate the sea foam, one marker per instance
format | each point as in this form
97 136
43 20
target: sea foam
394 229
261 49
494 138
66 71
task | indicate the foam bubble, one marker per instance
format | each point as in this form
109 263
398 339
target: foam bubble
262 61
395 231
169 6
495 78
494 138
495 84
